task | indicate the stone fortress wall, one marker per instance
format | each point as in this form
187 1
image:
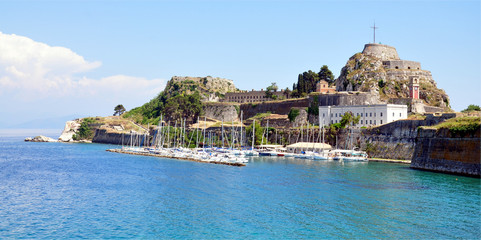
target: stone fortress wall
250 96
389 56
384 52
401 64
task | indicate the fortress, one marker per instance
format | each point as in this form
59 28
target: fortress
390 58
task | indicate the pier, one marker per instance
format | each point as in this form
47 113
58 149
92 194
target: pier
236 164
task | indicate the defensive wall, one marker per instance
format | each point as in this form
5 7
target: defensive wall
401 64
384 52
278 107
442 151
250 96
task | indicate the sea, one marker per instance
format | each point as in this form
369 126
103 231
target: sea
81 191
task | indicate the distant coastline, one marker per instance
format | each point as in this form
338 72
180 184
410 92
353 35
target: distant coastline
25 132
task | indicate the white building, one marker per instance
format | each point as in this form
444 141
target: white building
371 115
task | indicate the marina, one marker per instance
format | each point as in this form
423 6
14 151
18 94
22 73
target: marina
65 191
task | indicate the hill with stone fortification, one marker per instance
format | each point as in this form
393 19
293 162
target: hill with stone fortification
379 70
210 88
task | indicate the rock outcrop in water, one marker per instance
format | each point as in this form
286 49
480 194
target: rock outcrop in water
69 131
40 139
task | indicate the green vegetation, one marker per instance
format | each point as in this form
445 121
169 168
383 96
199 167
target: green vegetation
258 133
471 108
313 108
306 82
293 114
261 115
174 107
84 131
119 110
381 83
461 126
270 91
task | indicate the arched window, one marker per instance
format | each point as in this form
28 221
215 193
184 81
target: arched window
397 67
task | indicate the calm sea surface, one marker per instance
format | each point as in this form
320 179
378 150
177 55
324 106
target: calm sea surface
58 191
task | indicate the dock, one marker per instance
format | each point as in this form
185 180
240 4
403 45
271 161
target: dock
172 157
389 160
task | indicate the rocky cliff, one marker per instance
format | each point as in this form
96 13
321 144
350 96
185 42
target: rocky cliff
226 112
379 70
210 88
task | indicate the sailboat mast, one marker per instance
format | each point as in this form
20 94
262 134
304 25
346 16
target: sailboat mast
241 132
253 133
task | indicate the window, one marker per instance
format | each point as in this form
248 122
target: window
381 115
374 116
361 122
370 114
323 115
399 114
381 121
374 122
393 114
370 121
361 114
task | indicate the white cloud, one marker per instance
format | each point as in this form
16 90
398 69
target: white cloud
32 70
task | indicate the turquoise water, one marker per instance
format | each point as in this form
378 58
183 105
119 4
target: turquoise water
59 191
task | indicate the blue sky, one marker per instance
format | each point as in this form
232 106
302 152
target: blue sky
123 52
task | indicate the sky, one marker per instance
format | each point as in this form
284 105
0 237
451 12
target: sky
70 59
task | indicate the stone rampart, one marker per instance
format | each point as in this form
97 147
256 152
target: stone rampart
439 150
384 52
346 99
401 64
397 140
277 107
109 137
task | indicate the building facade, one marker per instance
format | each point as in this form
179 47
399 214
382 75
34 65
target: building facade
371 115
323 87
252 96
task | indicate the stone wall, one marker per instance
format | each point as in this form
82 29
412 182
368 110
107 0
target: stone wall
442 152
110 137
346 99
384 52
278 107
221 111
401 64
397 140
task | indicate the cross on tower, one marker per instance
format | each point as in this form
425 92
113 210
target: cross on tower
374 31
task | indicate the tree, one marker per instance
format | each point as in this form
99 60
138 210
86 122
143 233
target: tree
326 74
306 82
270 91
119 109
348 119
471 107
293 114
258 133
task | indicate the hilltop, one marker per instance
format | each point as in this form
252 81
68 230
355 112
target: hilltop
182 98
380 71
